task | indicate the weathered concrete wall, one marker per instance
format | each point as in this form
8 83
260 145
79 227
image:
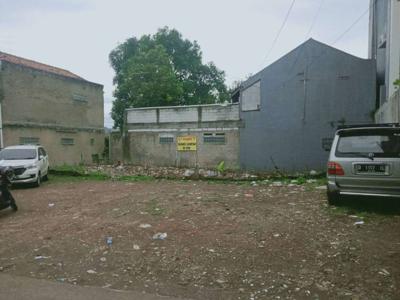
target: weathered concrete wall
116 147
145 126
85 144
304 96
389 112
145 149
183 114
37 104
32 96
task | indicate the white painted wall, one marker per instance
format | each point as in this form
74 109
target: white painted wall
178 114
184 114
251 97
220 113
140 116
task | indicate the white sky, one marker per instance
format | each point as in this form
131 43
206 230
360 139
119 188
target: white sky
235 34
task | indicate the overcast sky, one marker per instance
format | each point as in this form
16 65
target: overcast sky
235 34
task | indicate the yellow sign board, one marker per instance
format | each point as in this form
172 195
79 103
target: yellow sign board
187 143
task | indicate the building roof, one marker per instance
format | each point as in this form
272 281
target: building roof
37 66
325 51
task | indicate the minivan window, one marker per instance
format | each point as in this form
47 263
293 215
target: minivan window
16 154
379 143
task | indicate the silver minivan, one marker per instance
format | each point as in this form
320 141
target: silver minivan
364 161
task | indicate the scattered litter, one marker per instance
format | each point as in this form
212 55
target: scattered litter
211 173
359 223
41 257
61 279
160 236
313 172
51 204
91 272
249 195
211 250
277 183
294 181
277 235
109 241
144 226
311 181
322 188
384 272
106 286
188 173
254 183
103 259
136 247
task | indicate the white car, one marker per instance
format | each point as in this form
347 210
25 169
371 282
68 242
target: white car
30 163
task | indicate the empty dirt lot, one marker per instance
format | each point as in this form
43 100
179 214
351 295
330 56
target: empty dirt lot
224 241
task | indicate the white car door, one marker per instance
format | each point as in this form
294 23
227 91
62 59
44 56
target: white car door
42 162
46 162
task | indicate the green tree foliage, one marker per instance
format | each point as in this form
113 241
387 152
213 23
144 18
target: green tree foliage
397 83
163 69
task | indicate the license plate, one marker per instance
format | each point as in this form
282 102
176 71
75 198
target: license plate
372 169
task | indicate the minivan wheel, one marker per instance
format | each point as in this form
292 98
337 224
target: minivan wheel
14 206
333 198
46 177
38 180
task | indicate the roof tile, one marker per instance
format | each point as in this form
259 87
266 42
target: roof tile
37 66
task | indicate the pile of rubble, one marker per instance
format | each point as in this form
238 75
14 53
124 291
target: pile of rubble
168 172
181 173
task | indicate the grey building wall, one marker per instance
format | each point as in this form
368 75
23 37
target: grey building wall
50 108
305 95
145 126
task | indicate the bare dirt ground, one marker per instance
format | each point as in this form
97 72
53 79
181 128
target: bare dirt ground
224 241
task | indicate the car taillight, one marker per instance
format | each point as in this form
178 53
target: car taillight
335 169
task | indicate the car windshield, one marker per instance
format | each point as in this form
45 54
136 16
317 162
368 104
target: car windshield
17 154
381 143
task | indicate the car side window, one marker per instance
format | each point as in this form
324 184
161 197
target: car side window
42 152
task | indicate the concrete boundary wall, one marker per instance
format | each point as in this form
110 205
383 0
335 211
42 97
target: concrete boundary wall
183 114
389 112
151 136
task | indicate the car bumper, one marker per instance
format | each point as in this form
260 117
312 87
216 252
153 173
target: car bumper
29 176
332 187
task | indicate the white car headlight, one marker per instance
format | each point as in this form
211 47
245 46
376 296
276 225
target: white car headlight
31 167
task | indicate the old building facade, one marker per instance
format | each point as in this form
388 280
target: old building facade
45 105
183 136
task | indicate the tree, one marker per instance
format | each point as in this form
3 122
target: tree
397 83
147 80
163 69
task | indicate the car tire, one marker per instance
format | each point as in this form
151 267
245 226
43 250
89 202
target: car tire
333 198
46 177
38 180
14 206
